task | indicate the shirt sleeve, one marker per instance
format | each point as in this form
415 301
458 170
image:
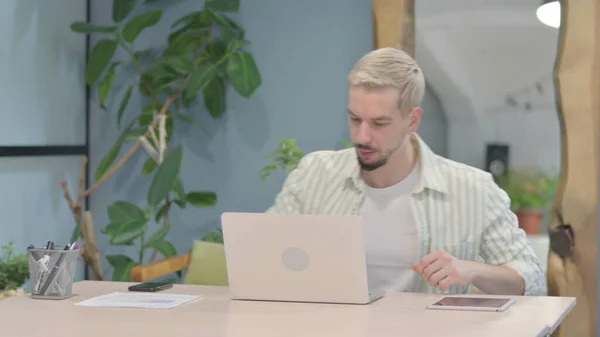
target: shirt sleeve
504 243
291 198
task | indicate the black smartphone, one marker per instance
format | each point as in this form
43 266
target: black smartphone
151 286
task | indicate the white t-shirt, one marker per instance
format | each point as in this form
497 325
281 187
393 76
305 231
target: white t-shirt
391 235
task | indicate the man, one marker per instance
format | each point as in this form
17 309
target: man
428 220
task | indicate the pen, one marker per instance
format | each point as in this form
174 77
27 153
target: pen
53 277
43 264
35 255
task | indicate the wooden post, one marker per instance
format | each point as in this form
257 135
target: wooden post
577 81
394 24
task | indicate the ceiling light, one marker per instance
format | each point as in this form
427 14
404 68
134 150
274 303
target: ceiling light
549 13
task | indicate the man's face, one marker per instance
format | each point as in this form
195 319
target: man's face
377 126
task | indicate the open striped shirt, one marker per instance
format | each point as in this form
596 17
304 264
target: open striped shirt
457 208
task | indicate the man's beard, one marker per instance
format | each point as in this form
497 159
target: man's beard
369 166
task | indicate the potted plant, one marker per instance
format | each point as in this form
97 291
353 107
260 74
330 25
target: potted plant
14 271
531 191
287 156
204 53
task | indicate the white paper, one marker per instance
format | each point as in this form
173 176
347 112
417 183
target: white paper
138 300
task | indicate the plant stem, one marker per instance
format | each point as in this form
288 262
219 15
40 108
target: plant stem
77 207
131 152
165 222
142 248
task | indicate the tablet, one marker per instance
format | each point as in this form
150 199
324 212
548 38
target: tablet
472 303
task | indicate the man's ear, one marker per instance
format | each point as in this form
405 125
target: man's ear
414 118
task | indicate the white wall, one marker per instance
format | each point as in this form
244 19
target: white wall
475 54
533 137
434 127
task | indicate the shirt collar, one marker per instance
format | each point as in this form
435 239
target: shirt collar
429 174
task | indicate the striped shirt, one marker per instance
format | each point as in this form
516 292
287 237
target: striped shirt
457 208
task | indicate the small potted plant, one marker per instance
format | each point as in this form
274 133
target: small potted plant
531 191
14 271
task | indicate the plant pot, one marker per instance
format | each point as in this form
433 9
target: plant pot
530 220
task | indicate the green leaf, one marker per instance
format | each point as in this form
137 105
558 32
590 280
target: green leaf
143 87
165 177
180 64
122 8
170 125
126 133
216 51
107 161
223 5
124 228
165 248
161 213
149 167
197 81
133 134
135 26
105 86
236 29
122 265
159 75
76 233
159 68
187 40
147 115
185 20
100 56
180 191
234 45
229 29
243 73
180 203
124 211
197 19
214 97
142 54
123 104
88 28
157 236
214 236
202 199
127 233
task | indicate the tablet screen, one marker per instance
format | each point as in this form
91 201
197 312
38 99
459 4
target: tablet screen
480 302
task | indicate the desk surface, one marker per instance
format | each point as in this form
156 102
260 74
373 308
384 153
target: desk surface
217 315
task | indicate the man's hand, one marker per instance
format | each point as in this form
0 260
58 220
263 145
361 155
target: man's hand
442 270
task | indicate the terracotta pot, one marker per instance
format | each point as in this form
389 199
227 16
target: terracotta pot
530 220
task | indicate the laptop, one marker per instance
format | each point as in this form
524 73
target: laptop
296 258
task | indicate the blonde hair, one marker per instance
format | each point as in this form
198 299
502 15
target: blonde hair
390 68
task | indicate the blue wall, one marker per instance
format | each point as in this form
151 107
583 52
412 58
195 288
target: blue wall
304 50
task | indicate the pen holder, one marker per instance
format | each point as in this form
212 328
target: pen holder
52 272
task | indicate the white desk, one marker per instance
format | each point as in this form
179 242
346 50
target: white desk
216 315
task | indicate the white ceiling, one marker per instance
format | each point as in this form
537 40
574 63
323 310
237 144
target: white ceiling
475 53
